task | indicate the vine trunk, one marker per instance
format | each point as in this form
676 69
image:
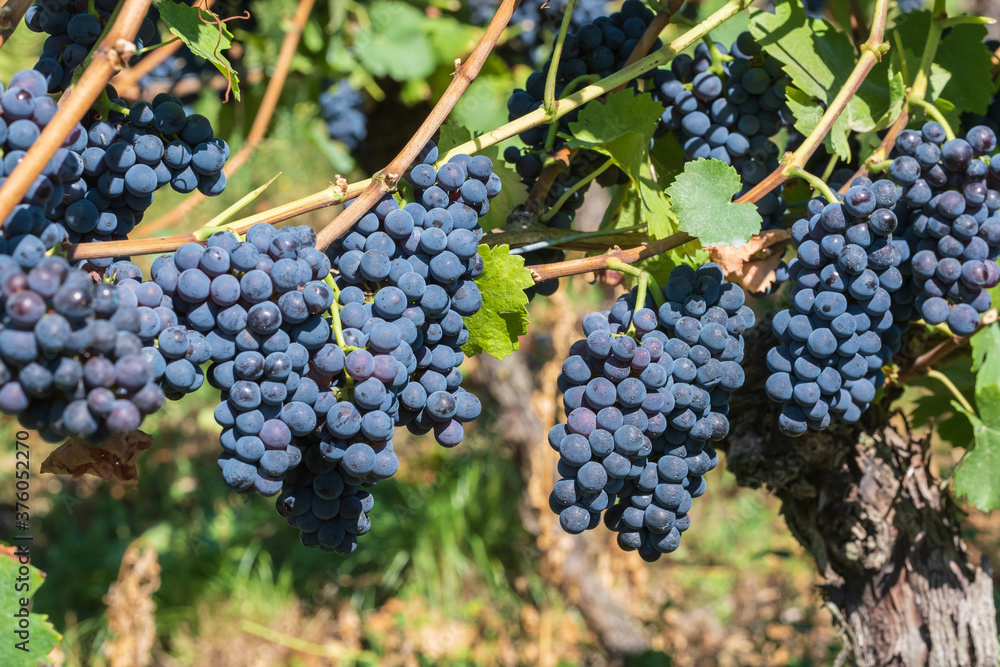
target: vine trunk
884 533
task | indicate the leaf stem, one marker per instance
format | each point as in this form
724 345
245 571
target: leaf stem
151 47
946 381
549 96
936 114
815 181
565 196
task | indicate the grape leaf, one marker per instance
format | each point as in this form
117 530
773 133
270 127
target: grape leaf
203 32
701 198
395 43
976 477
819 60
961 63
43 637
817 57
986 356
621 128
495 329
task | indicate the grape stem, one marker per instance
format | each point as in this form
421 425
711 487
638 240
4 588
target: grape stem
942 351
815 181
920 82
10 17
936 114
338 328
385 181
549 96
718 58
946 381
871 52
640 299
260 123
73 105
884 148
565 196
647 283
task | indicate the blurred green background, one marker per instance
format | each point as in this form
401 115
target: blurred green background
453 571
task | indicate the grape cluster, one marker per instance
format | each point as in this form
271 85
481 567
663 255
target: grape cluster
329 511
730 115
839 331
950 225
256 309
72 364
644 395
100 182
405 281
33 226
342 110
599 47
530 18
73 32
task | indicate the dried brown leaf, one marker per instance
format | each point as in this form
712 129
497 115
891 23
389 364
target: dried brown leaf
114 459
753 264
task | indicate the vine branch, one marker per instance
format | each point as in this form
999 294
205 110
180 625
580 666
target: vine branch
10 17
386 180
74 104
574 267
126 82
261 121
568 104
871 52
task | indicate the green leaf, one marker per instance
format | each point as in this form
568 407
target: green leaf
816 56
961 64
503 319
819 60
702 200
43 637
621 128
395 44
452 134
656 212
203 34
986 356
976 477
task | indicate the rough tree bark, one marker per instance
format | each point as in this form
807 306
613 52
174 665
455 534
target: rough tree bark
884 534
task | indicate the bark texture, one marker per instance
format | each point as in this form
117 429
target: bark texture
884 534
